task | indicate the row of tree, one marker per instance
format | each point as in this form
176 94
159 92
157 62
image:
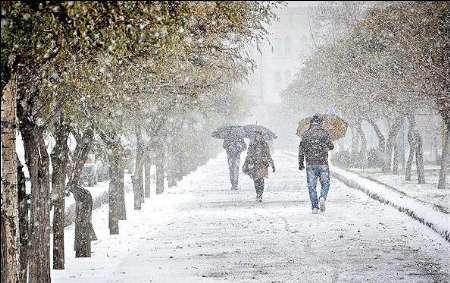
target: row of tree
389 64
156 75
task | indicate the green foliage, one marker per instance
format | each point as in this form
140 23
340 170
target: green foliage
111 65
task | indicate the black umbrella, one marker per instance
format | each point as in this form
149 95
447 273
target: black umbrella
229 132
250 131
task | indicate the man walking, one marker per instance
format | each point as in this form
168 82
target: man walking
234 146
314 148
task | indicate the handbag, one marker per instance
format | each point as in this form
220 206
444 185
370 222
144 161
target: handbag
248 168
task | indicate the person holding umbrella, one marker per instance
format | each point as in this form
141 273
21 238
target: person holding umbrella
257 163
233 143
234 146
313 148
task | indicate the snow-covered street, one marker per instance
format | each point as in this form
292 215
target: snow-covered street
201 231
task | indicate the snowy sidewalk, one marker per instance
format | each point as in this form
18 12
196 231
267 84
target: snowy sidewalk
200 231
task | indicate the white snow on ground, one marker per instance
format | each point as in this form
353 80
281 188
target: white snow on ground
425 192
200 231
425 212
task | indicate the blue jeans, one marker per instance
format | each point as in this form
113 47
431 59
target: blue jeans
312 173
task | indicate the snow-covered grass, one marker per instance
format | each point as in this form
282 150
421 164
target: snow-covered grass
200 231
424 212
108 249
428 192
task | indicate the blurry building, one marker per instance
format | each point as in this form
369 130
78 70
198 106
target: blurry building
278 60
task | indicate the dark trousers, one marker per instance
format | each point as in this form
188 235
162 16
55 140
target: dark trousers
259 186
233 165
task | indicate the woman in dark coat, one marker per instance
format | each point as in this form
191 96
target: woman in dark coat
257 163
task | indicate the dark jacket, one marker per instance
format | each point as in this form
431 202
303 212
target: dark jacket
234 147
258 160
314 146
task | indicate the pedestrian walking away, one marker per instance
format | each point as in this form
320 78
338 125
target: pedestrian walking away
257 163
313 149
234 146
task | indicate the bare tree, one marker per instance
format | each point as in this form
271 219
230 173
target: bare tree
9 209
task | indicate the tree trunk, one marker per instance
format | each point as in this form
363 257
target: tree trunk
171 181
381 139
137 177
160 171
116 195
355 140
412 147
180 162
392 137
401 145
23 224
355 147
9 212
436 148
84 232
3 248
37 162
419 160
172 167
396 160
444 159
363 149
59 164
147 167
113 215
122 211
